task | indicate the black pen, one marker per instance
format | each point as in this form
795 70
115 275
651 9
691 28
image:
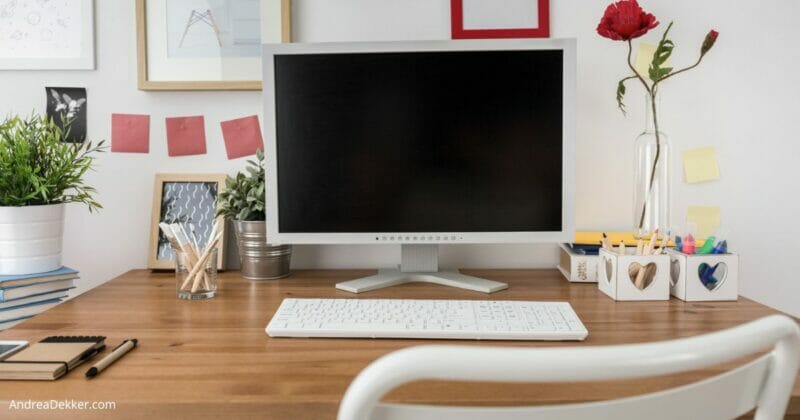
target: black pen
115 354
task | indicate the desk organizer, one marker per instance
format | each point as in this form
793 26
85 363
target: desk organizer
577 268
616 275
196 278
704 277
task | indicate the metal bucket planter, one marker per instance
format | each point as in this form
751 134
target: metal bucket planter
30 238
260 260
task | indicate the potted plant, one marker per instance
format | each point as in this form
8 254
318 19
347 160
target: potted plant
243 203
39 174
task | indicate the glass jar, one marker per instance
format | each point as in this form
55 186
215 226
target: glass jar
651 190
196 280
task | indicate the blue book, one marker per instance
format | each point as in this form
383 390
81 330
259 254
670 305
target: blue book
10 323
35 298
586 249
18 292
62 273
23 311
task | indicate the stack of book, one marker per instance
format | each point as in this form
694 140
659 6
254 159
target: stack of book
26 295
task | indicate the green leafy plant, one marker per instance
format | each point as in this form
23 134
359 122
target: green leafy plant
243 198
37 167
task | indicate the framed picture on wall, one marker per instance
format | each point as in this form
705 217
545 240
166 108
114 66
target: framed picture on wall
206 44
191 201
47 35
472 19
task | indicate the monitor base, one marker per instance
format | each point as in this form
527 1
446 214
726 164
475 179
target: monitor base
394 277
420 263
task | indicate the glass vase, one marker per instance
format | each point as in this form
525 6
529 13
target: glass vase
196 278
651 190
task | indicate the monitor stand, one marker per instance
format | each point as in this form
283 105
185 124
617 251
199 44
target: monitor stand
420 263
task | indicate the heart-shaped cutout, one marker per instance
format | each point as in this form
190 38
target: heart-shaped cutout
609 270
712 277
674 272
642 275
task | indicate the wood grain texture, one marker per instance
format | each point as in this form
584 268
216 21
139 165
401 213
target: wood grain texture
212 358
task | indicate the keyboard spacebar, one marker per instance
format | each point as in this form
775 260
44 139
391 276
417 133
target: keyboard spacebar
363 327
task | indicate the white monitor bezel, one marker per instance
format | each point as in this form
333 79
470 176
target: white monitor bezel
568 46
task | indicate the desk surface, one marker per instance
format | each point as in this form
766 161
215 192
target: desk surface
207 358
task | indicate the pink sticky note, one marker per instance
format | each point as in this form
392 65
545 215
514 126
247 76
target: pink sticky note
242 136
186 136
130 133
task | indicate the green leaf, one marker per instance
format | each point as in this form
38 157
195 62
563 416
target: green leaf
243 198
621 93
662 54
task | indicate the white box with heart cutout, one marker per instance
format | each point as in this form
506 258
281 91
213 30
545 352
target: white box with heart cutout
704 277
633 277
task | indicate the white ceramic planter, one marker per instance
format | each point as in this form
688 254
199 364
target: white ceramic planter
30 238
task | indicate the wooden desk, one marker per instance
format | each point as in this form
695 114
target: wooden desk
212 358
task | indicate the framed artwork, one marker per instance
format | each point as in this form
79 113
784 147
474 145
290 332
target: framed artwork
67 107
206 44
188 199
47 35
474 19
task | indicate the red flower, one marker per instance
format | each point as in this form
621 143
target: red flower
711 38
625 20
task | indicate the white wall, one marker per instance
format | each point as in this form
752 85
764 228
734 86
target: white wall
744 100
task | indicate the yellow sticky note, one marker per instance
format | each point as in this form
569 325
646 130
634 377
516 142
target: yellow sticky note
700 165
707 219
644 56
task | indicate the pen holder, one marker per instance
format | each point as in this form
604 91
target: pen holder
633 277
196 276
704 277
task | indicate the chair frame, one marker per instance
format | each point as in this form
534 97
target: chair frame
764 384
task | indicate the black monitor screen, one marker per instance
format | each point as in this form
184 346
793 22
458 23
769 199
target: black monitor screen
463 141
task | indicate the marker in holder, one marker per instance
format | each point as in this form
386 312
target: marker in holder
704 277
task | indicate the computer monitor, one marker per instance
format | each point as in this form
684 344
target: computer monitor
420 144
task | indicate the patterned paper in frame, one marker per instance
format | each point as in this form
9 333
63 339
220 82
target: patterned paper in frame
190 204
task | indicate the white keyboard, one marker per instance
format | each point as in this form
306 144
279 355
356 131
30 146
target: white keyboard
446 319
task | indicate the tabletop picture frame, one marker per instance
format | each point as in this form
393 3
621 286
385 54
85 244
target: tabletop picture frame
206 44
185 199
47 35
478 19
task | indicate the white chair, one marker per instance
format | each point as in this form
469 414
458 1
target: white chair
764 383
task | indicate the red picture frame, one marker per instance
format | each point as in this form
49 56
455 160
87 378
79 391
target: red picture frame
541 30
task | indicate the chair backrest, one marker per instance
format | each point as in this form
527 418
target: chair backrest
764 383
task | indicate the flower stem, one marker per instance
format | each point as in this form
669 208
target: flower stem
652 91
630 64
697 63
655 160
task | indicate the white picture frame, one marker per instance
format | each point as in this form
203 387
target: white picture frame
54 35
